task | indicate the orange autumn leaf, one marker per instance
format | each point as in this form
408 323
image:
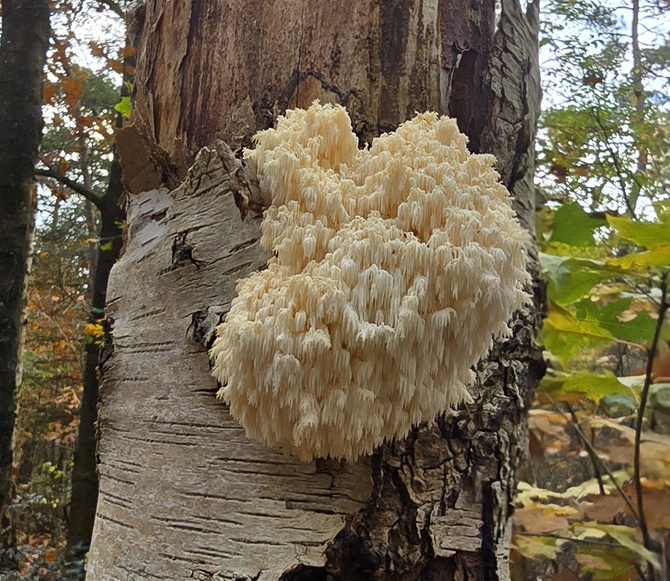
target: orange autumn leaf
48 93
96 49
116 65
73 89
127 51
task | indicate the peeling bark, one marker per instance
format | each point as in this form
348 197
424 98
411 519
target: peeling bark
183 493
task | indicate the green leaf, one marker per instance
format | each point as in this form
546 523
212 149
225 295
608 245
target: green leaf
619 561
565 335
124 106
617 405
639 329
571 278
105 246
659 255
592 386
625 537
662 209
647 234
573 226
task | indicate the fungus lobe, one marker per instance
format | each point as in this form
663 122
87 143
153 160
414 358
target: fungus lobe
395 267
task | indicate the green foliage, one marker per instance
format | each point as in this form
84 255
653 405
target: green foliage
604 236
604 280
573 226
604 137
124 107
583 384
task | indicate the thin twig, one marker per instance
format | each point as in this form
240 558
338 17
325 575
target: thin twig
592 450
562 538
663 307
74 186
592 455
615 161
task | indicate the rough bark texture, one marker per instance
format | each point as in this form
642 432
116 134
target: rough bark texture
25 26
183 493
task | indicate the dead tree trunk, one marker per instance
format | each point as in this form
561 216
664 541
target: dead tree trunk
183 493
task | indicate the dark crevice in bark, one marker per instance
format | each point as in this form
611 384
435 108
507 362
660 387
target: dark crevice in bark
461 104
305 573
192 80
394 30
439 569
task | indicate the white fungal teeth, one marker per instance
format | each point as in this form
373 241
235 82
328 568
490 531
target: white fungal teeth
395 267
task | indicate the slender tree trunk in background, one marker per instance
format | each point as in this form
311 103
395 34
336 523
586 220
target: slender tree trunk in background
183 493
85 485
25 27
640 104
84 475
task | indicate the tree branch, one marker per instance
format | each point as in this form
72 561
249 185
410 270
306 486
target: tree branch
662 309
74 186
615 161
594 455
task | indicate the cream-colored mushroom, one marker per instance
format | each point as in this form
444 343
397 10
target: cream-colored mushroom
395 268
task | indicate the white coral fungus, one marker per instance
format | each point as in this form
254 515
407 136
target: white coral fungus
395 267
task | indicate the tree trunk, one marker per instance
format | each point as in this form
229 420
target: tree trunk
84 474
184 494
85 483
25 27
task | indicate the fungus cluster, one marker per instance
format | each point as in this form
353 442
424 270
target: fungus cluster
394 269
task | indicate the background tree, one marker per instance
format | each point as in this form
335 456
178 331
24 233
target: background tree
80 219
23 45
594 502
183 493
82 157
603 140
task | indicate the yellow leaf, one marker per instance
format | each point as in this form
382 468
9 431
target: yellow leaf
534 547
659 256
94 330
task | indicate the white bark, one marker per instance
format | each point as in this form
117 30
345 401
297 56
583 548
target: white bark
183 491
